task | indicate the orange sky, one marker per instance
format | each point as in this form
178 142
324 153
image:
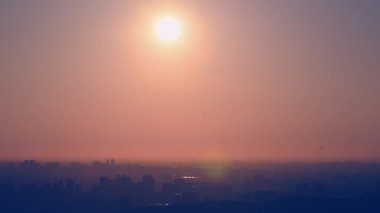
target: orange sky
250 80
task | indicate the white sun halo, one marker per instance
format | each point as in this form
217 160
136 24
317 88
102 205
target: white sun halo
167 29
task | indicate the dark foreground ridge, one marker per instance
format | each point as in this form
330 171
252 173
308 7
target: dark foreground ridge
42 204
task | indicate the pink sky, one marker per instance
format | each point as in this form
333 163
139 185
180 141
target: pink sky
251 80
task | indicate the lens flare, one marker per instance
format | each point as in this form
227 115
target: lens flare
216 164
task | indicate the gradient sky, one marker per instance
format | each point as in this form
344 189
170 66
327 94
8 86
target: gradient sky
249 80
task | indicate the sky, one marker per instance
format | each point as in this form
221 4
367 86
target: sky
247 80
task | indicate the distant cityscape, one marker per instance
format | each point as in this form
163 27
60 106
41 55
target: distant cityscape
128 185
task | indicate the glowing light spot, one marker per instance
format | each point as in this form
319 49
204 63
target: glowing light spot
167 29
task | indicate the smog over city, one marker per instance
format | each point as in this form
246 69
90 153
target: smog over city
189 106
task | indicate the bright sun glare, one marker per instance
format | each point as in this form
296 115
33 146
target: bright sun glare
167 29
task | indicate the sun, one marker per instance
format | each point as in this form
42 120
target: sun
167 29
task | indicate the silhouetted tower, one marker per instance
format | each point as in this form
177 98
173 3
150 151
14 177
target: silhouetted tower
148 184
103 181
